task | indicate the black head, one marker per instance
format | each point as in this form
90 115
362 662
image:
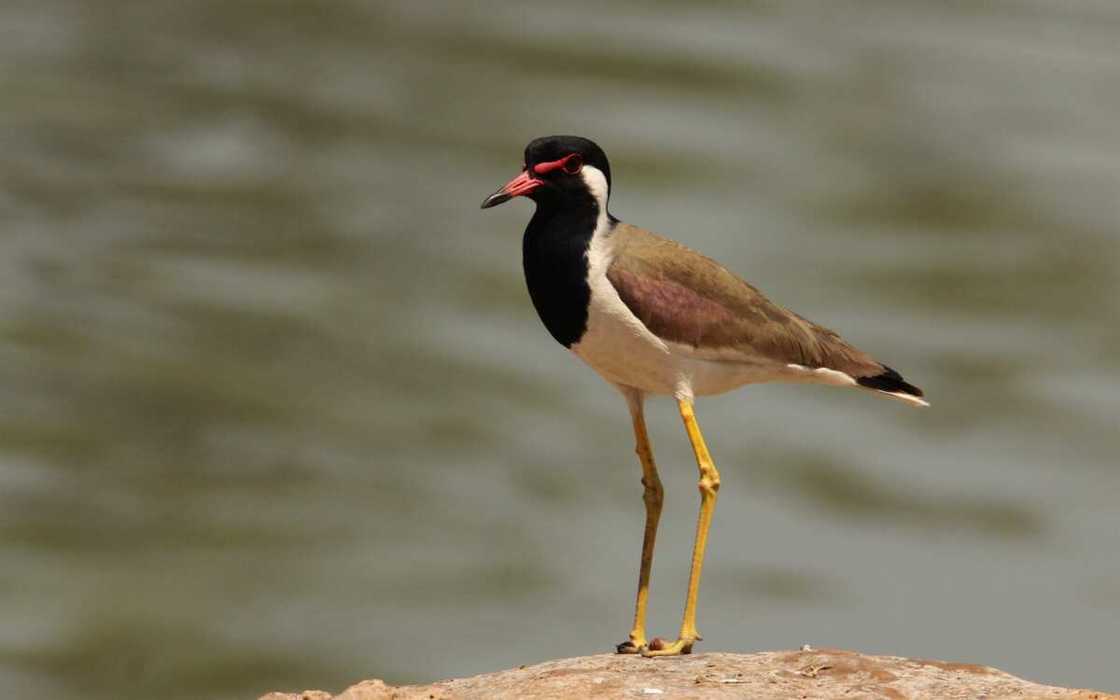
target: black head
558 169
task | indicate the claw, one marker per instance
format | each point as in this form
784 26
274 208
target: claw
659 647
629 647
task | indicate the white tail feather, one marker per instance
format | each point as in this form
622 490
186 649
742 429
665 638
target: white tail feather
908 398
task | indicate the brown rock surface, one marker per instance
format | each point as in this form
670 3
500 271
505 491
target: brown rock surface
823 673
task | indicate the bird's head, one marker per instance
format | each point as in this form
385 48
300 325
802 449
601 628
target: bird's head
559 170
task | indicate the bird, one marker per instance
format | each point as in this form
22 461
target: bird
655 318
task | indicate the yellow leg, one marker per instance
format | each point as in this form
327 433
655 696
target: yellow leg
653 497
709 487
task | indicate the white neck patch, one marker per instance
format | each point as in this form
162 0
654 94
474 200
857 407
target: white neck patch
596 183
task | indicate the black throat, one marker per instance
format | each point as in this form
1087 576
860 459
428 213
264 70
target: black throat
554 253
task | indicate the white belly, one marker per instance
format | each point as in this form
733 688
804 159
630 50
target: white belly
620 348
627 354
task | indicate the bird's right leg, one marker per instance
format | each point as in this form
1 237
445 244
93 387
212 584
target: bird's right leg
653 497
709 487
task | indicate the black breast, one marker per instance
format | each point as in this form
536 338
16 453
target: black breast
554 252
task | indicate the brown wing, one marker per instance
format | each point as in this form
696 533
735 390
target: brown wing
685 297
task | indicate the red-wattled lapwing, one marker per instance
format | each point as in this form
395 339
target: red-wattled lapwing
653 317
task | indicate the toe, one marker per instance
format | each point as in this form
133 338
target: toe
659 647
630 646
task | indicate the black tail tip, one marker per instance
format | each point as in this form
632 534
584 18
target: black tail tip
890 380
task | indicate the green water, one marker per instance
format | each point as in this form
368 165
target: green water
276 412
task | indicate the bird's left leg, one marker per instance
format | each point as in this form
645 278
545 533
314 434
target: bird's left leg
653 496
709 487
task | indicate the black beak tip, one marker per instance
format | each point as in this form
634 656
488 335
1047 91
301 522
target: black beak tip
495 199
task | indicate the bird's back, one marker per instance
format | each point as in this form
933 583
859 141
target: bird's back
702 310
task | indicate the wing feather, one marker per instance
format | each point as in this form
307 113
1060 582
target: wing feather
689 299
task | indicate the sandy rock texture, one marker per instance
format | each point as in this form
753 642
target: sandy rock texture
823 673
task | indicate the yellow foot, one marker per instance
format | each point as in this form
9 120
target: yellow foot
658 647
633 645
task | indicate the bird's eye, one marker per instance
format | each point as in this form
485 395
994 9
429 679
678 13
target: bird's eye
573 163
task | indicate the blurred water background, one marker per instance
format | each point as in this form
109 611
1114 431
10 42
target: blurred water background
276 412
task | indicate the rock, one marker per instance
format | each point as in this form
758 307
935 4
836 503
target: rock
809 673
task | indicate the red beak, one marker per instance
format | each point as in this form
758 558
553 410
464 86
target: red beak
521 185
